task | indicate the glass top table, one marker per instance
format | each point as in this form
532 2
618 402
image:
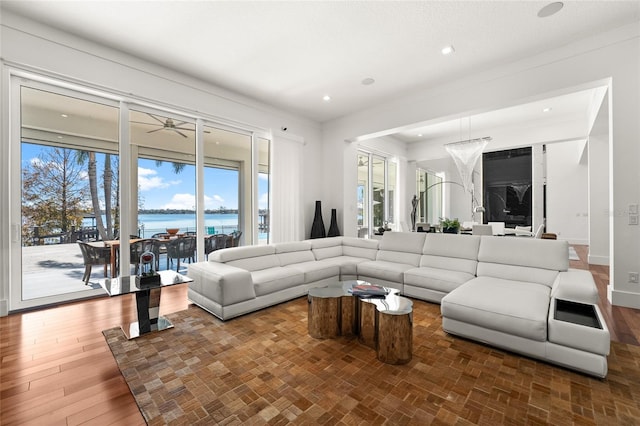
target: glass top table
147 300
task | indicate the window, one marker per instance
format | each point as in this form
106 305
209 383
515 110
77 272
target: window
72 150
375 192
430 193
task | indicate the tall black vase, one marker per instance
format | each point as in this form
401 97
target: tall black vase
317 229
334 231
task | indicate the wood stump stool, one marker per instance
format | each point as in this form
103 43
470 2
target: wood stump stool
395 330
325 312
368 322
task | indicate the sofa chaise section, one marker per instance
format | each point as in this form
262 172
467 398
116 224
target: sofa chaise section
509 304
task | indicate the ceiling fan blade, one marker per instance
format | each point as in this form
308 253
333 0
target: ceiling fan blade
180 133
184 128
142 122
155 118
156 130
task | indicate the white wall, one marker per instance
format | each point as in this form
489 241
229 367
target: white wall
599 188
567 192
26 45
611 59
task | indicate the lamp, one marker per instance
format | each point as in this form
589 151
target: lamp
476 207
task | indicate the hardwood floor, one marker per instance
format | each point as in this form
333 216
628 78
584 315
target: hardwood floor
56 367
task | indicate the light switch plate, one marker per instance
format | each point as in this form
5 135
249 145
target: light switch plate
633 219
633 209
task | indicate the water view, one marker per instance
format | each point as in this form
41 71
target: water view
214 223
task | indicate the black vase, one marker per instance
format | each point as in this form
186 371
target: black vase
317 229
334 231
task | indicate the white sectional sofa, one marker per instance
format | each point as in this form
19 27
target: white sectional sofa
498 290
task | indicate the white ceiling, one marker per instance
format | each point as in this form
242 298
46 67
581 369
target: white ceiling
290 54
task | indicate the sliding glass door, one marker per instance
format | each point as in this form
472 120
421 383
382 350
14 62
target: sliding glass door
91 174
68 192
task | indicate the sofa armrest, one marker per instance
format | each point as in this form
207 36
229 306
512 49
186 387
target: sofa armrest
576 285
224 284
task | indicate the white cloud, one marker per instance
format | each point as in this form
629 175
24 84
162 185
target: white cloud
213 202
148 179
181 201
263 201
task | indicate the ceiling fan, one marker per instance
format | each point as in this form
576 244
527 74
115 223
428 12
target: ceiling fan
169 124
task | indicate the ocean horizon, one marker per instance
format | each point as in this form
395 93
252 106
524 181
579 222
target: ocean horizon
219 223
158 223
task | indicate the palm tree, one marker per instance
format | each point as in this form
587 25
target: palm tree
89 157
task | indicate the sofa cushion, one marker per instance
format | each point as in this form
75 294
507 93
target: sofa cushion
576 285
452 245
449 263
327 252
236 253
389 271
407 242
270 280
347 264
318 243
530 252
292 247
295 252
512 307
293 257
360 247
436 279
315 271
517 273
401 247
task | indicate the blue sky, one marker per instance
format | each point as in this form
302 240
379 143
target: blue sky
161 188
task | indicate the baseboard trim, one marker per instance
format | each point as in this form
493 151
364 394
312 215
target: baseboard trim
625 299
598 260
4 308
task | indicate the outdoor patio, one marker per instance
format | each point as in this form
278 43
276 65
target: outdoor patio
53 269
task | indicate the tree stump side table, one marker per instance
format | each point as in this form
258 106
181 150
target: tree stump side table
325 312
394 330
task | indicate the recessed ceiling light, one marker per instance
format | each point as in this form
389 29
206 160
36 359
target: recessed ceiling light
547 109
64 115
550 9
326 98
419 135
448 50
368 81
60 137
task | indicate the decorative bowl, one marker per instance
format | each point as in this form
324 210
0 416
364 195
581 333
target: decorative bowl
172 231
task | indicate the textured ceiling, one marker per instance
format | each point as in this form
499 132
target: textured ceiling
290 54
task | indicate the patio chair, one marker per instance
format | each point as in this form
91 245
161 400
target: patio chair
181 248
94 255
214 242
137 248
233 239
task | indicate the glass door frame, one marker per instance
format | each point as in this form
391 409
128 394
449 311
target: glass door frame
15 79
13 198
369 196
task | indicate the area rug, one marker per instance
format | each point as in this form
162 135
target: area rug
263 368
573 255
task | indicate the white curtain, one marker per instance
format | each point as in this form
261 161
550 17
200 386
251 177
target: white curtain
286 218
